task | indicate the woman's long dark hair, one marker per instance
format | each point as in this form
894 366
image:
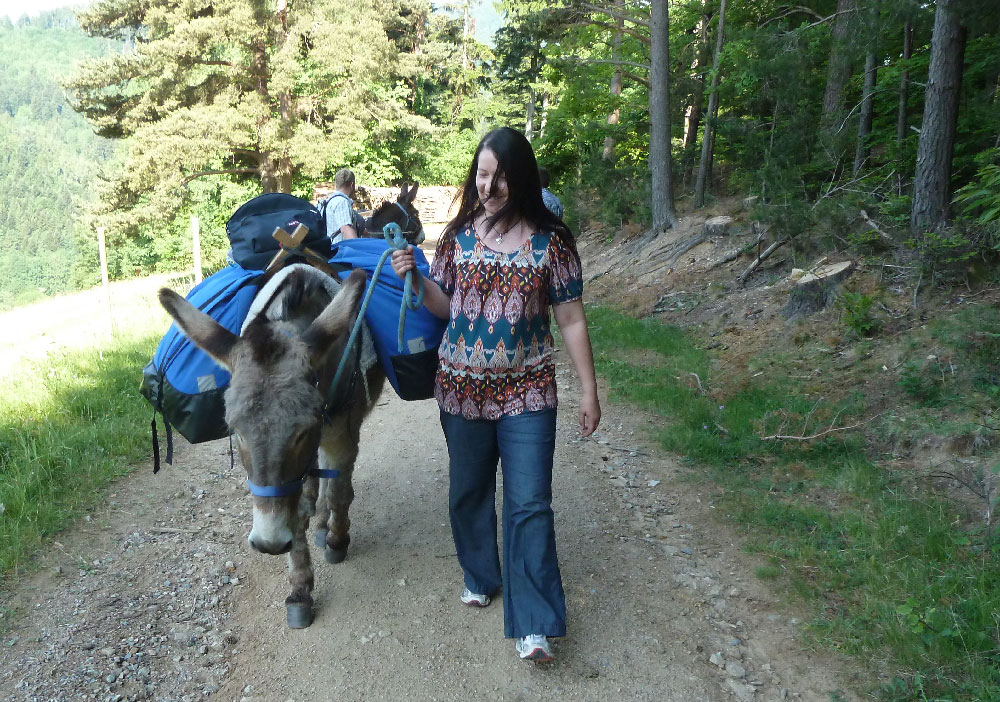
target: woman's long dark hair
516 162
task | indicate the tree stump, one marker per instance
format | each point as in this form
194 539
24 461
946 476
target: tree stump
816 289
718 226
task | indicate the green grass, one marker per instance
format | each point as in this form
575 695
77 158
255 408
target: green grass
894 574
66 431
71 421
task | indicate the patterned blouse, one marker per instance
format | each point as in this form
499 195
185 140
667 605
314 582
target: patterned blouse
496 355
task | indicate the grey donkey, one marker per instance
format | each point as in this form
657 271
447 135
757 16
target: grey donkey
290 426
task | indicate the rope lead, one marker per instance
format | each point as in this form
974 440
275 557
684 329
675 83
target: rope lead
394 237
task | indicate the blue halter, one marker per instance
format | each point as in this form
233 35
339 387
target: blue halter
292 487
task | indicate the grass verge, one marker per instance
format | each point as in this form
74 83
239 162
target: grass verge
68 426
896 574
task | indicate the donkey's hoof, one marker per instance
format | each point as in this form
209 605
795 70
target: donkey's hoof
335 555
321 537
298 614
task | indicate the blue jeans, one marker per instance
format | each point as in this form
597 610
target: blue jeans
533 598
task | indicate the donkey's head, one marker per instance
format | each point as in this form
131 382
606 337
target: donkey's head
275 400
402 212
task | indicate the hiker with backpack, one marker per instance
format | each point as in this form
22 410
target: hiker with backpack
501 264
342 220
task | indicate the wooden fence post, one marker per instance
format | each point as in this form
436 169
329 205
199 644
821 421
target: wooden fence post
103 253
196 248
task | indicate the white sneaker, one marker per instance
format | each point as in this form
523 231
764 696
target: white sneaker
474 599
534 647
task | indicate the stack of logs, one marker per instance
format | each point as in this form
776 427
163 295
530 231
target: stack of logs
434 203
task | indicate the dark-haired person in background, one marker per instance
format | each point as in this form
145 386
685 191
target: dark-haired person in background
553 203
500 265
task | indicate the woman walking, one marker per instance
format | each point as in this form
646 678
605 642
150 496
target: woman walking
500 265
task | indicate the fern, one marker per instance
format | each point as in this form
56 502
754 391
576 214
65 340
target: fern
980 199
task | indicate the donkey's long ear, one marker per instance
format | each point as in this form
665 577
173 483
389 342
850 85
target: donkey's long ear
338 317
207 334
412 193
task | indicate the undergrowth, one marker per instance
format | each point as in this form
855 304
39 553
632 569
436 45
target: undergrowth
905 578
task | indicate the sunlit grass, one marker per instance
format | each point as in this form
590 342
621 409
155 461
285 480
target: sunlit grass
894 573
71 421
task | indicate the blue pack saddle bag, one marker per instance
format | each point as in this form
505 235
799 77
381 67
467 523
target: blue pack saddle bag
410 369
184 383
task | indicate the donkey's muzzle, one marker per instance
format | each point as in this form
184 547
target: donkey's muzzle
270 534
270 548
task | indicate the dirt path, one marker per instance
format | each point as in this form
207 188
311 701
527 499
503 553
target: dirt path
157 595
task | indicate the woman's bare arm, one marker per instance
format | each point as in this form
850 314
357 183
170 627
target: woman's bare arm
572 321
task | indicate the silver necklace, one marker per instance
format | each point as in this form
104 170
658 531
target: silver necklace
500 235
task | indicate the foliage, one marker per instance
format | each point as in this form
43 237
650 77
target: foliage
922 382
980 198
53 165
238 91
943 255
857 313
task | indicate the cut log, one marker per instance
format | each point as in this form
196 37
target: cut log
816 289
718 226
833 272
760 259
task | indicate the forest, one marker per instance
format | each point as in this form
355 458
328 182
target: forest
134 116
48 155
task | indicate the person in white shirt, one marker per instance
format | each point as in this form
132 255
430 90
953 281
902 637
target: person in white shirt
342 221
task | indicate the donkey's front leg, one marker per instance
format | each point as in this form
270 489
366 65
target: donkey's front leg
336 496
299 604
341 496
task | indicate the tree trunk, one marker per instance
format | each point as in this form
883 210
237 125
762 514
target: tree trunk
902 115
275 169
545 116
609 155
529 114
708 140
692 115
866 112
664 215
838 70
931 183
529 111
275 174
465 37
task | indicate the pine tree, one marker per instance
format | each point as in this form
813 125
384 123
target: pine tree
240 88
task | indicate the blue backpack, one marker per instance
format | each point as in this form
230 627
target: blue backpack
182 382
410 368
